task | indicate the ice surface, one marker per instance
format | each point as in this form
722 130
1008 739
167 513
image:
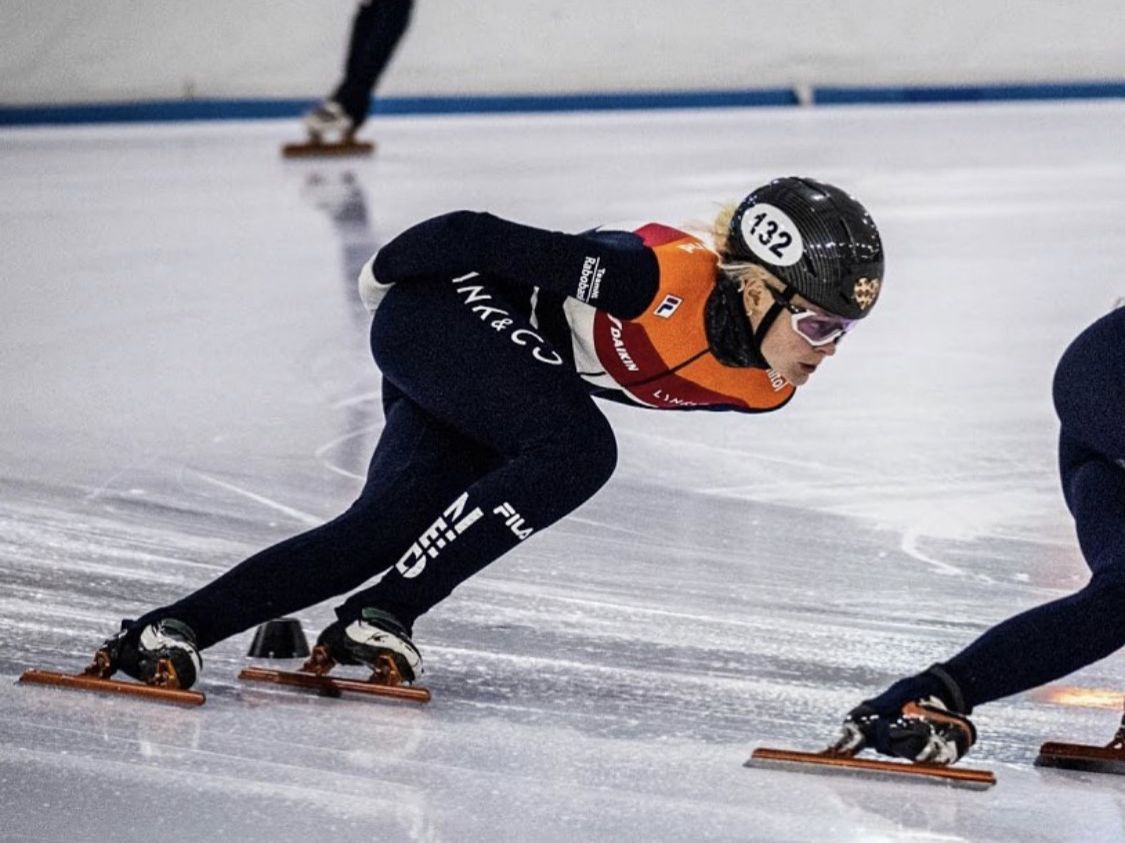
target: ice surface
185 378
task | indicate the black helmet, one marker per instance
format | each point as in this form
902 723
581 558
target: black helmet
815 239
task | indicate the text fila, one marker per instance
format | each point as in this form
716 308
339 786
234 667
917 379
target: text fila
514 520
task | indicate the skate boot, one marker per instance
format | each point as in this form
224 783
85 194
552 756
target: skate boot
375 634
329 119
922 718
923 730
331 133
162 653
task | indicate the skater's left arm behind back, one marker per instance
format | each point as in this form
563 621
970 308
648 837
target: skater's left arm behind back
615 273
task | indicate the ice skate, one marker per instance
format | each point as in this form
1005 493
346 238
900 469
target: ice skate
1093 759
376 640
162 656
925 733
366 641
331 132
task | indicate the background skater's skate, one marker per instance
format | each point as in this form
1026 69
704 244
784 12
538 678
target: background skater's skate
331 134
162 656
332 125
375 640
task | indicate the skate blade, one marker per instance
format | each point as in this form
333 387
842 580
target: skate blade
85 682
819 762
320 149
333 686
1076 756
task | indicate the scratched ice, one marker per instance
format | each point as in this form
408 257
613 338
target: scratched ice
185 378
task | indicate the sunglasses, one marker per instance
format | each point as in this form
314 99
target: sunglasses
815 328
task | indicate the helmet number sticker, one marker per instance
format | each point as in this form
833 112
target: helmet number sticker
772 235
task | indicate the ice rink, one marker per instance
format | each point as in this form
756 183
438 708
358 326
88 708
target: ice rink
185 379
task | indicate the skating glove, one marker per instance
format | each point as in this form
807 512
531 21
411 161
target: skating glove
371 290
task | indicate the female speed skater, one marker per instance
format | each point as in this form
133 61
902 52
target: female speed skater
493 338
924 717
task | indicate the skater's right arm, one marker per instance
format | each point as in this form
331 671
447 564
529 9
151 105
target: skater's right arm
615 272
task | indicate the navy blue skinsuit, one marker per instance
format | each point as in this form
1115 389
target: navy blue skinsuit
490 432
376 31
1060 637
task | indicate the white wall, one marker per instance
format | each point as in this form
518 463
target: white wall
54 51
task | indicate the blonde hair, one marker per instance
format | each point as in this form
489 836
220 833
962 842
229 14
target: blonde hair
751 278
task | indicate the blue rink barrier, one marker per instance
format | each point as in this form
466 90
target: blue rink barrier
249 109
969 93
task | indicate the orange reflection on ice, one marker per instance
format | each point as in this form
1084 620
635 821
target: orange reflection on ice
1080 697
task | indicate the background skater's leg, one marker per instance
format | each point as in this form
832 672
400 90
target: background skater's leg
376 31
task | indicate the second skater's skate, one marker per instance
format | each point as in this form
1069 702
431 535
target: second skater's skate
331 132
918 721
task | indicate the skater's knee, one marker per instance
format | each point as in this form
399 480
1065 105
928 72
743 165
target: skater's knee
1108 580
600 448
580 455
1103 598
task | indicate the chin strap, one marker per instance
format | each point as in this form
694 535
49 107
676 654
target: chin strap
781 299
775 310
730 334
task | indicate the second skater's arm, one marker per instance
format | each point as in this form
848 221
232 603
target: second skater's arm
612 272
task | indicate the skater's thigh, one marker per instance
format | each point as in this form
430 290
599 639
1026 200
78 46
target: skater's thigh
465 355
420 462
